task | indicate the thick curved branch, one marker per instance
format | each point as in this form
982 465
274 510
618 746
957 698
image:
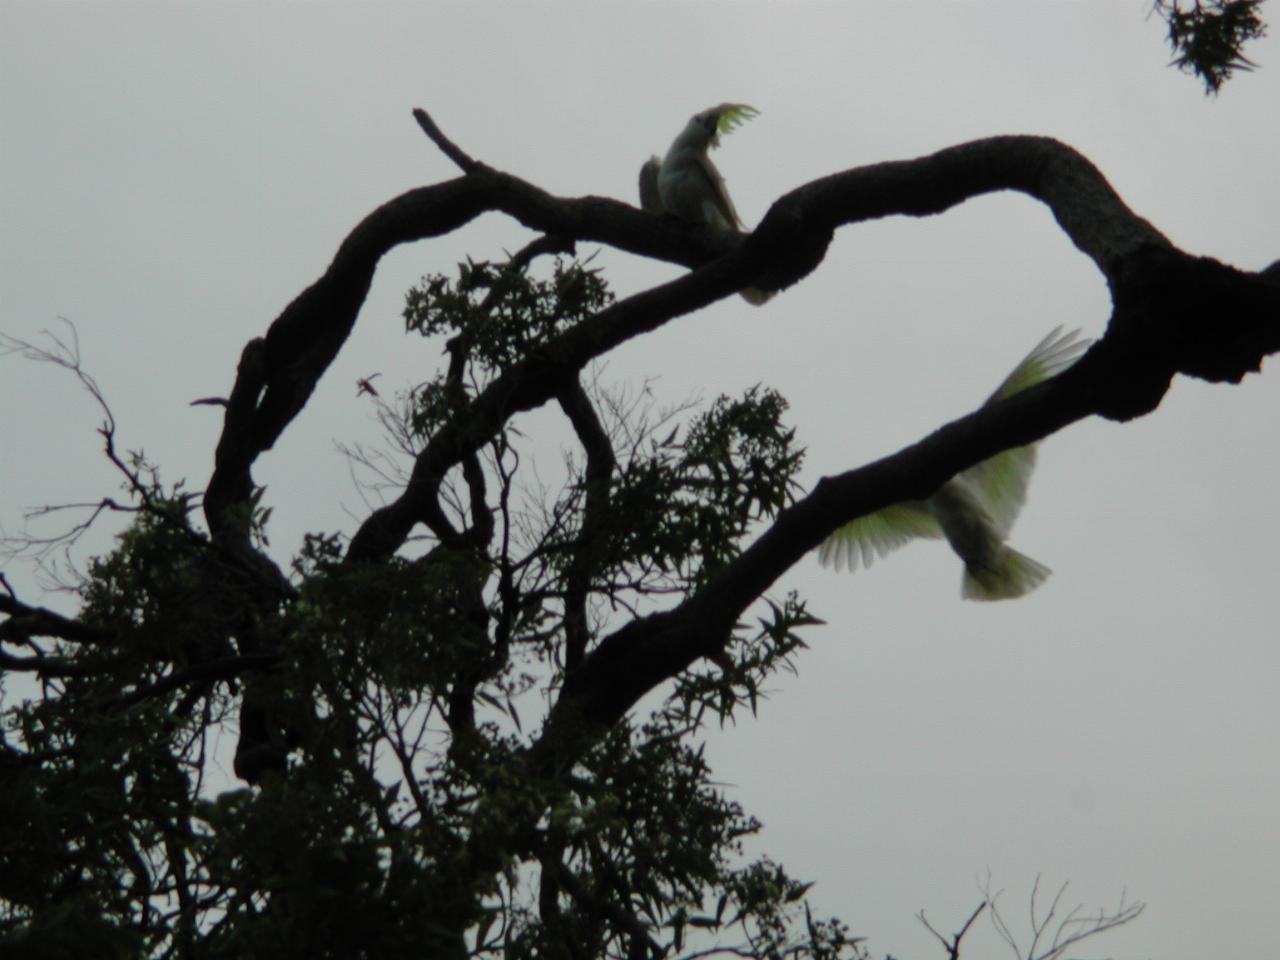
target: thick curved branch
1123 375
792 236
791 241
279 372
1173 313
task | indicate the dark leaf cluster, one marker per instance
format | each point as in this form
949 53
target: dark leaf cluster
494 314
402 813
684 506
1208 38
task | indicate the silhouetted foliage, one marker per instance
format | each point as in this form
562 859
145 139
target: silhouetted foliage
1208 39
473 727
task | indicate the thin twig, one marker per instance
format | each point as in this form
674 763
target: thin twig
952 946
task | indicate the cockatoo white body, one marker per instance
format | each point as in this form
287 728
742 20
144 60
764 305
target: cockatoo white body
975 509
687 184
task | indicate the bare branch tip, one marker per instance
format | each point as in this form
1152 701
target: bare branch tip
450 149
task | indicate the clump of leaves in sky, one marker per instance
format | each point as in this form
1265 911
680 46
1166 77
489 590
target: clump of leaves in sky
1208 38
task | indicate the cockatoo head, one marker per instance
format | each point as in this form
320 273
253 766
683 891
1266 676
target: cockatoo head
708 125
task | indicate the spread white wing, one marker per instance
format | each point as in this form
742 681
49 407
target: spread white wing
861 541
1001 482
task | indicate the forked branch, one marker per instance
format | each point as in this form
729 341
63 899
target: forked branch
1172 313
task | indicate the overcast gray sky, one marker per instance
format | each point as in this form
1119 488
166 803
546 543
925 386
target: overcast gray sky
171 175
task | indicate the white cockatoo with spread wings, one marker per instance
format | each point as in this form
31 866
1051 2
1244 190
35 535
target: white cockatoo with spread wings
975 509
687 184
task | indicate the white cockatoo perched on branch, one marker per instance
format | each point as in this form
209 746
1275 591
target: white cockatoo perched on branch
687 184
975 509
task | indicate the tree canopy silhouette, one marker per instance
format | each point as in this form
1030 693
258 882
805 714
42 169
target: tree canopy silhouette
438 717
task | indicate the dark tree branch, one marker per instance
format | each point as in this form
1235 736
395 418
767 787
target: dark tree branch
47 666
1086 207
225 668
952 946
791 241
459 349
1172 313
599 472
142 480
26 622
1076 926
642 943
447 146
1122 375
561 943
526 386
